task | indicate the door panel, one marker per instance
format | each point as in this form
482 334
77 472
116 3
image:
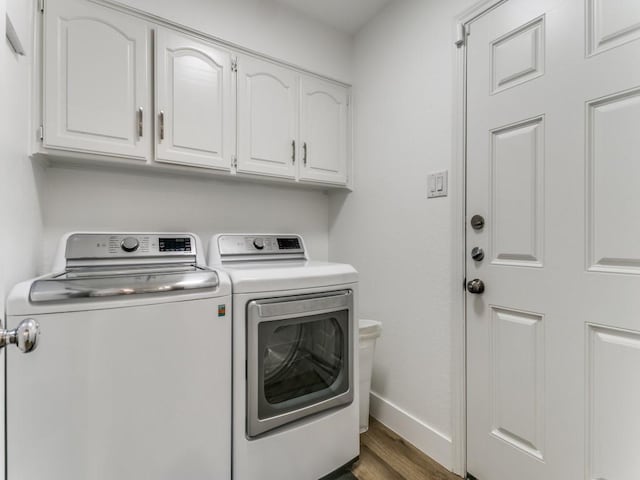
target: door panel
112 394
95 80
517 379
552 149
611 23
612 187
323 131
614 362
267 118
517 193
195 102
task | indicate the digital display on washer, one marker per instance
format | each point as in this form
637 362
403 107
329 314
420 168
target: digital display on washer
288 243
180 244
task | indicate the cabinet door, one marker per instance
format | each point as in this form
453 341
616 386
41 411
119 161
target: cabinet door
267 118
323 131
96 82
195 102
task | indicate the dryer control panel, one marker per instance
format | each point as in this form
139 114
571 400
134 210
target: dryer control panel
261 245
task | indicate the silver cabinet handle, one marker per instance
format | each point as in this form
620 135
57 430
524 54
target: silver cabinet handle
140 119
161 125
304 157
25 337
293 152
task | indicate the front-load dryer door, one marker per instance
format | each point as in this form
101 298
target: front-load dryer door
129 393
300 360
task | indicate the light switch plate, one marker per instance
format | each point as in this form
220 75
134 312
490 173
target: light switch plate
437 184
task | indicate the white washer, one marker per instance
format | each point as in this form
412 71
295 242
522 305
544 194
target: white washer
131 377
295 355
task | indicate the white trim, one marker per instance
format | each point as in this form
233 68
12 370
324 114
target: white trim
421 435
458 215
457 181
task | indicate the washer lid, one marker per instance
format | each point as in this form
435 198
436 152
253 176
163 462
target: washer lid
292 275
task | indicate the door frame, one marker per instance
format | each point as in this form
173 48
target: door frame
458 188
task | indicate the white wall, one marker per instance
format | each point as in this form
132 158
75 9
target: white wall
95 199
396 238
264 26
20 217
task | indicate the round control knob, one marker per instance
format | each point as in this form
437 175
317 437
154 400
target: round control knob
130 244
258 243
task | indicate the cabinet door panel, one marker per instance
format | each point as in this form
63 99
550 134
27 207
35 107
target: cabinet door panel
95 80
195 102
267 118
323 131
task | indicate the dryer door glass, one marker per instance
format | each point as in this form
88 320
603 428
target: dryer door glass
301 359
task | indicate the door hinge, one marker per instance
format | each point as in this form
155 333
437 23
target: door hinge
41 6
234 162
464 284
462 34
234 64
41 132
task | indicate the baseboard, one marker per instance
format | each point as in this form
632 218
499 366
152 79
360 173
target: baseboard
424 437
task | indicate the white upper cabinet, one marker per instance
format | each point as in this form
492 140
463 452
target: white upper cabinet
323 131
196 106
195 102
267 118
96 85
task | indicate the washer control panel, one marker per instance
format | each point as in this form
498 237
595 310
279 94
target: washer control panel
260 245
99 246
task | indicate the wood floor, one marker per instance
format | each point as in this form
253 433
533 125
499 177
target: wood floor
386 456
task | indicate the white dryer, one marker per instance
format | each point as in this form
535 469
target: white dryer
131 378
295 395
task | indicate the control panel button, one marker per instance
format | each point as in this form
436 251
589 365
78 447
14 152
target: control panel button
130 244
258 243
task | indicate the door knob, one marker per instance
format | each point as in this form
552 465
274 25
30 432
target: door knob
25 337
477 254
475 286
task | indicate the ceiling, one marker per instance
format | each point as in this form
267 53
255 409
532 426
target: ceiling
345 15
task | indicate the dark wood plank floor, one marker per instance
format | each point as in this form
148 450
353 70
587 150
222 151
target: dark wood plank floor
386 456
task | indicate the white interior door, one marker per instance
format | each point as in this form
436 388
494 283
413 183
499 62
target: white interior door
323 131
553 166
195 102
267 118
96 81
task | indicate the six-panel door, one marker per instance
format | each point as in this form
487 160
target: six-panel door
96 85
267 118
195 102
323 131
553 343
